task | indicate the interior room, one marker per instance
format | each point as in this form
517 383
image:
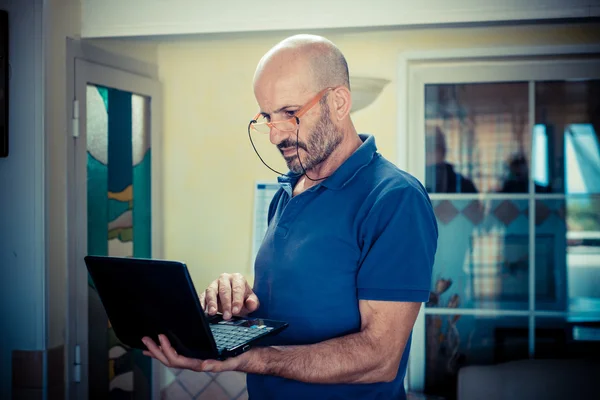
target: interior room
494 107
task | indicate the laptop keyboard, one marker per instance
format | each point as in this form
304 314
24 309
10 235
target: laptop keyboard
227 336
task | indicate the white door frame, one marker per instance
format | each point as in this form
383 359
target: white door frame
89 64
410 129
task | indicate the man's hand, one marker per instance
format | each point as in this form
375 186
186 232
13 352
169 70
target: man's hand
167 355
230 295
369 356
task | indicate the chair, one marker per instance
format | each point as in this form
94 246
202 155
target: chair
531 380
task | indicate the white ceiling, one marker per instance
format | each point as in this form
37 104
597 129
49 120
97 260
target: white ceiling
134 18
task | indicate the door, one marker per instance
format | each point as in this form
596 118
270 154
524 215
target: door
117 197
509 153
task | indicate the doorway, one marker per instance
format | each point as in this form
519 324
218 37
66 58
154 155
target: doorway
114 210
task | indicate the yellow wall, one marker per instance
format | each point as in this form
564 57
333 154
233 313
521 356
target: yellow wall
210 168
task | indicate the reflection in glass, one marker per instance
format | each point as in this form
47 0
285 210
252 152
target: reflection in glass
440 175
540 148
482 260
550 255
582 159
566 144
455 341
573 226
477 137
561 337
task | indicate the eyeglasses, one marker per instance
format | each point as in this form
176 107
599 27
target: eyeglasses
261 124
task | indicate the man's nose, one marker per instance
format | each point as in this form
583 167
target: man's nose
276 136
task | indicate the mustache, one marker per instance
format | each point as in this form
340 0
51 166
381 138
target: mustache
287 143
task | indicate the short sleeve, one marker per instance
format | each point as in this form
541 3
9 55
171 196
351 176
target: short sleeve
399 241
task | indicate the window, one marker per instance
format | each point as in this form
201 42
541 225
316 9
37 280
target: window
508 150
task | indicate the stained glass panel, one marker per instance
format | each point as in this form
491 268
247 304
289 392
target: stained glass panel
119 224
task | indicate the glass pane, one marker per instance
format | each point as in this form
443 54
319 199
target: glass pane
455 341
482 259
550 255
568 267
477 137
566 136
142 166
266 152
118 171
565 338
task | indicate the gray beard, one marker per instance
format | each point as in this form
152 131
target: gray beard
323 141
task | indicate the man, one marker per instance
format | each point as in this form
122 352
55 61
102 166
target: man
349 249
440 176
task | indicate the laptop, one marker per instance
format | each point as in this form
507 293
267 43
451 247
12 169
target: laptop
148 297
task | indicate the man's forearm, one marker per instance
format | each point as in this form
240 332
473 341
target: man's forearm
348 359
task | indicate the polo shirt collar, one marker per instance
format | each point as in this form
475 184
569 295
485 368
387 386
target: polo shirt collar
345 172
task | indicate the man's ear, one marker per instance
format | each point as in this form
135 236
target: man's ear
342 103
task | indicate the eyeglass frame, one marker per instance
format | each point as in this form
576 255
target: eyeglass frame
296 118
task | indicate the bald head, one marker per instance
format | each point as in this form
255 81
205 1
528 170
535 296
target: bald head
288 76
315 61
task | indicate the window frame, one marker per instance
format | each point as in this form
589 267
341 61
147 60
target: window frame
483 65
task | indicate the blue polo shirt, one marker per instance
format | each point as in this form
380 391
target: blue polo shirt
366 232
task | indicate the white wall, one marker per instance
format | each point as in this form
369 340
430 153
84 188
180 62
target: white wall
140 50
118 18
33 214
22 285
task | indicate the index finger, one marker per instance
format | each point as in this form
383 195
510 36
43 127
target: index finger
202 298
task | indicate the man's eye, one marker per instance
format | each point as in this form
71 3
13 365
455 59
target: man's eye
289 113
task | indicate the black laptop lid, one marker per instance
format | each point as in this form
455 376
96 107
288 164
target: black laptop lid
147 297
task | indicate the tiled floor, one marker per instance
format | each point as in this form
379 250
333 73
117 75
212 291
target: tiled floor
189 385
